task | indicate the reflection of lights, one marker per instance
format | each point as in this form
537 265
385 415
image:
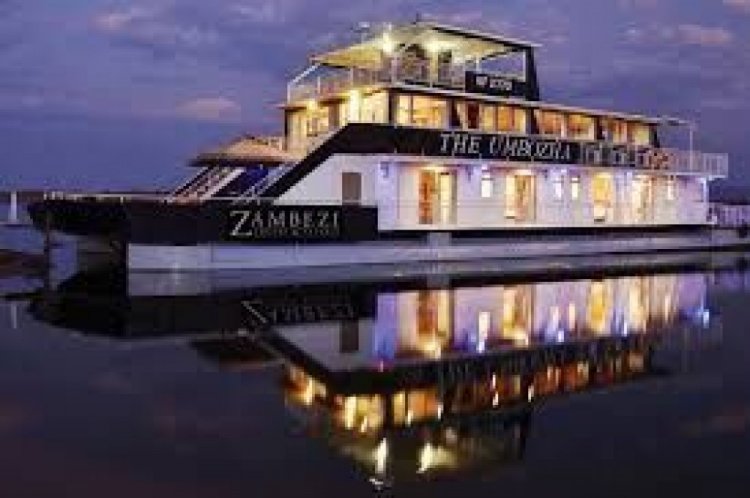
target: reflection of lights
309 393
426 458
496 399
364 425
705 318
440 410
493 382
530 394
381 456
560 336
350 408
409 416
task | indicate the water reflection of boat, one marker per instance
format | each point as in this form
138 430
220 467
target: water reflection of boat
445 416
417 376
114 303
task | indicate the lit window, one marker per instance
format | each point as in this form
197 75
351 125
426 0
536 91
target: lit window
581 127
511 119
486 186
615 130
557 185
549 123
511 199
489 115
640 134
575 187
671 189
417 110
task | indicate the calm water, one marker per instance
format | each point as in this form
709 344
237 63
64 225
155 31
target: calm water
629 384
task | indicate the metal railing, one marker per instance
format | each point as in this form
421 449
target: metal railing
730 215
446 76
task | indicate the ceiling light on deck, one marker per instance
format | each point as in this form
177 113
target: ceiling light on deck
388 44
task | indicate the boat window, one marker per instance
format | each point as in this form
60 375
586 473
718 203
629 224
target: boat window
489 118
318 119
520 197
671 189
420 110
437 197
468 114
581 127
640 134
375 108
557 185
549 123
575 187
602 192
511 119
487 184
615 130
351 187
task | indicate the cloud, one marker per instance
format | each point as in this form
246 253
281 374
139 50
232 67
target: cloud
743 5
155 29
269 13
118 21
705 36
683 34
219 109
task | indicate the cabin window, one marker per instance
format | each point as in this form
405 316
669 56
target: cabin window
642 198
437 197
296 129
575 187
581 127
351 187
469 114
671 189
422 111
602 194
615 130
489 118
557 186
487 184
511 119
640 134
374 108
549 123
519 197
318 119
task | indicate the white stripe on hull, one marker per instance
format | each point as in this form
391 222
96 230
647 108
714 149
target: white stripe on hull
246 256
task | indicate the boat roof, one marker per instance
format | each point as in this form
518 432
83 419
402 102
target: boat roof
246 150
467 44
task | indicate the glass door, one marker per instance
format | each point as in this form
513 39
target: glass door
437 197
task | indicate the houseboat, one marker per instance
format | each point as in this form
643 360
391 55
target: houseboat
420 142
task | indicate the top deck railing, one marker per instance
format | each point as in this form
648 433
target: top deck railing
444 76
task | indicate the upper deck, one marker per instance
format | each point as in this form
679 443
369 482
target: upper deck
427 54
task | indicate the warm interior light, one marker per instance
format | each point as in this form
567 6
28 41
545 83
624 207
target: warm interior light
355 106
350 408
312 105
388 45
309 393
